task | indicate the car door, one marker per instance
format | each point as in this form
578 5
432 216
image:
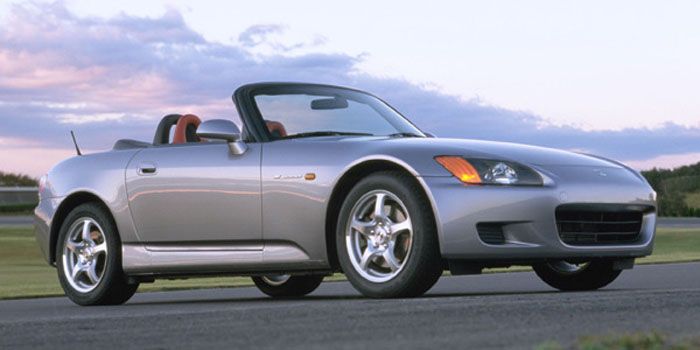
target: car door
297 178
196 193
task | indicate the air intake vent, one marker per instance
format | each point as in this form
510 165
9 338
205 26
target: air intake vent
604 224
491 233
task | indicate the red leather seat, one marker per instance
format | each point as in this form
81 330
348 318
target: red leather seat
186 129
276 129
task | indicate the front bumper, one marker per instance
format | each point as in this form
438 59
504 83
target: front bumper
530 228
43 214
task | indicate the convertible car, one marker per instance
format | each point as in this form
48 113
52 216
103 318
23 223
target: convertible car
324 179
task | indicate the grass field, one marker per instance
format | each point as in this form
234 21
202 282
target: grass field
636 341
25 274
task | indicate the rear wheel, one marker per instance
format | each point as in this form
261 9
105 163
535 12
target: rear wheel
386 237
286 286
568 276
88 258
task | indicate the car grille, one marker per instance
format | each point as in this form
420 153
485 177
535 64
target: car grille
590 224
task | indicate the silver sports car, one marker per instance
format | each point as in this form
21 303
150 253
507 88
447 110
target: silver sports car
325 179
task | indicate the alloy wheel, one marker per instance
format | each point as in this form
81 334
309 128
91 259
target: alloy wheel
567 268
84 255
379 236
276 280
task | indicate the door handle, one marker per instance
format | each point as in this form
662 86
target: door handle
147 169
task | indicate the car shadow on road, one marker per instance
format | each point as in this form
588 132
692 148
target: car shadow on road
350 297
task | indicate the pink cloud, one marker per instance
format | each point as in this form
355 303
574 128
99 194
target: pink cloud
667 161
30 157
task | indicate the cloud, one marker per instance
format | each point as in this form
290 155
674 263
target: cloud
114 78
257 34
262 39
451 116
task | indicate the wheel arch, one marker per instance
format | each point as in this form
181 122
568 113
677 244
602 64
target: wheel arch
67 205
352 175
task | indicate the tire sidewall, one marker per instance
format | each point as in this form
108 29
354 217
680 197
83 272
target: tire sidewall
597 274
294 287
113 267
423 234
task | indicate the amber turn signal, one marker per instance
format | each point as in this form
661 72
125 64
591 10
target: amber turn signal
460 168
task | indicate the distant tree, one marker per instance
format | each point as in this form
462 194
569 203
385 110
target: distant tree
12 179
672 186
693 212
672 204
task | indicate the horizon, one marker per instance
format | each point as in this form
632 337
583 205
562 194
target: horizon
111 71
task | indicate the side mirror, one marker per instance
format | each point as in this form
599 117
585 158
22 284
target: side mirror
222 129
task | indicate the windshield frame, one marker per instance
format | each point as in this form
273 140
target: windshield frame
255 128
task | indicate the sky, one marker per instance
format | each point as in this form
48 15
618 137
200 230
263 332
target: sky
616 79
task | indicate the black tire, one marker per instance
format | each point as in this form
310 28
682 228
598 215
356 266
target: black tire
424 265
293 287
595 275
113 288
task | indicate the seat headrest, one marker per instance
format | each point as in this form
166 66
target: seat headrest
276 129
186 129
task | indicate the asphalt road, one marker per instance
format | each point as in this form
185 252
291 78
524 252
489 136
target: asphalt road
16 220
679 222
513 310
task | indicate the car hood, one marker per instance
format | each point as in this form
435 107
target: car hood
524 154
527 154
419 153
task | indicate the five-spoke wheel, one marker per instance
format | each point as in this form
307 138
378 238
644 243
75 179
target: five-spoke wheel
386 237
379 236
84 255
88 257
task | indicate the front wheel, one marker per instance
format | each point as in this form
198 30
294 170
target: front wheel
88 258
386 237
286 286
568 276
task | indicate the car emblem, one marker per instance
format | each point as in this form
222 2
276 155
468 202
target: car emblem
307 177
287 177
601 172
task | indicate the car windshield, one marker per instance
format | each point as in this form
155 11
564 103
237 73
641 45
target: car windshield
326 111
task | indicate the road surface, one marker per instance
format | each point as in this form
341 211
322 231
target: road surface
679 222
507 310
16 220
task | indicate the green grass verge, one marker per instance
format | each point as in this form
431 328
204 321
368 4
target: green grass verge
631 341
25 274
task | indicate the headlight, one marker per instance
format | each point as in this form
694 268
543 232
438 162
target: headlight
42 184
489 172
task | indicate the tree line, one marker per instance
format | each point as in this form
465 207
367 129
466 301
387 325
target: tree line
678 189
14 180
